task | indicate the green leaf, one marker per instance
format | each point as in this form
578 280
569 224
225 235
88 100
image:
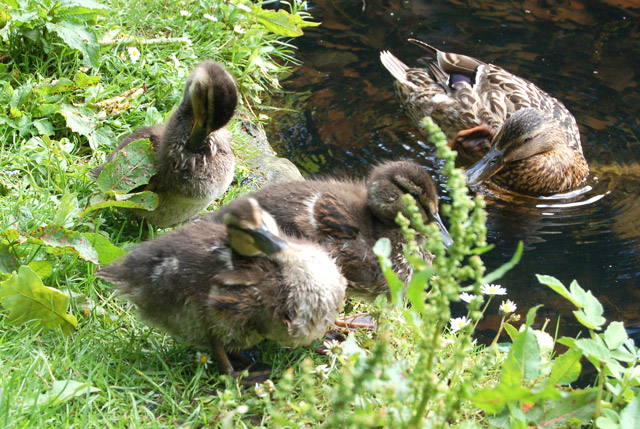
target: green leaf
591 313
132 167
607 423
42 268
557 286
59 237
44 126
566 368
526 352
531 315
495 275
573 407
107 252
513 332
417 286
83 81
282 22
593 348
382 248
68 203
494 400
26 298
145 200
81 121
630 415
78 37
8 261
615 335
63 390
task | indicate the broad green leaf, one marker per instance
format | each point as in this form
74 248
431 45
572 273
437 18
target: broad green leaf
8 261
513 332
615 335
591 313
68 203
83 81
630 415
4 15
282 22
495 275
526 352
107 252
145 200
416 288
607 423
494 400
81 10
382 248
26 298
63 390
557 286
593 348
42 268
59 237
79 120
132 167
153 117
566 368
78 37
531 315
574 407
58 86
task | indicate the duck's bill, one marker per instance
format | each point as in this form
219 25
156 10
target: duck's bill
446 238
482 170
268 242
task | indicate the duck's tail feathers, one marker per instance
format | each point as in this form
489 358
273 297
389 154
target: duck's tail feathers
397 68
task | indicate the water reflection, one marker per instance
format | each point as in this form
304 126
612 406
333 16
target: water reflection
583 52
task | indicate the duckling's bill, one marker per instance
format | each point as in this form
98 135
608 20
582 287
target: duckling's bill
267 241
482 170
446 238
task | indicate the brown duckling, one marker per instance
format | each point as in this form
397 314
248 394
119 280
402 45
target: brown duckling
348 217
473 101
229 285
195 161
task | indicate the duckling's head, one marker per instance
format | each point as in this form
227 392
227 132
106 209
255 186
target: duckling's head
213 95
251 230
526 133
389 181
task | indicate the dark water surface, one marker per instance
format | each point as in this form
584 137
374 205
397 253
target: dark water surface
584 52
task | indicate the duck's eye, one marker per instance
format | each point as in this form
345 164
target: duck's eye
527 140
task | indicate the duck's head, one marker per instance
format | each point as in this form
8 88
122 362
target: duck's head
213 96
526 133
251 230
389 181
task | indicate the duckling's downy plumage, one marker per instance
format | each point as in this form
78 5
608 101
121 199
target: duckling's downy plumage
473 101
195 160
348 217
229 285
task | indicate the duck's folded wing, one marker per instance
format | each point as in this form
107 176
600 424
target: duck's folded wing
332 216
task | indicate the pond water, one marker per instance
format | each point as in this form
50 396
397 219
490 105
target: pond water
344 117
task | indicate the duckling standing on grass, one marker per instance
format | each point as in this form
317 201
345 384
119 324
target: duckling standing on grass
524 139
195 161
348 217
228 286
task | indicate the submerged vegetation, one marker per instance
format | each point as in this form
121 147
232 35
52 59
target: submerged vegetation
77 78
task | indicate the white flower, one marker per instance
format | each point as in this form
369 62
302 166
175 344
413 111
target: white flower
260 390
238 29
491 289
275 82
203 359
123 56
323 371
83 69
243 7
184 13
467 297
134 54
210 17
334 348
459 323
508 307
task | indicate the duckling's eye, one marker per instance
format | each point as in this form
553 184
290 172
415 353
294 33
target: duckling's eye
526 140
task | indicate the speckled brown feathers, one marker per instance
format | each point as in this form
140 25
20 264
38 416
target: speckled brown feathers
194 285
195 159
348 218
460 93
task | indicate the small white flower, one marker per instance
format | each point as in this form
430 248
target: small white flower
134 54
508 307
83 69
210 17
243 7
323 371
184 13
334 348
491 289
275 82
459 323
467 297
123 56
203 359
238 29
260 391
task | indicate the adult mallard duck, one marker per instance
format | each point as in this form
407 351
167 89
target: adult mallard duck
348 217
229 285
195 161
521 137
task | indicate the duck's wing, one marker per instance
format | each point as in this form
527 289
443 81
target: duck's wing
330 215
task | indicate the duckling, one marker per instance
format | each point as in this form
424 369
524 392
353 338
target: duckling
348 217
195 161
229 285
472 101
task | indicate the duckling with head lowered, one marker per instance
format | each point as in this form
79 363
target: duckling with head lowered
473 101
195 161
229 285
348 217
